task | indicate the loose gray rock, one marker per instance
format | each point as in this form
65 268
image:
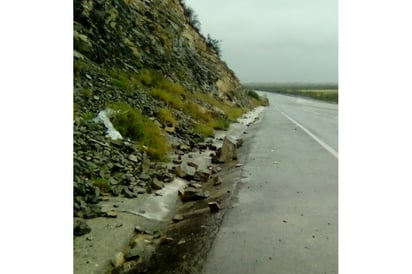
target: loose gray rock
144 177
201 175
185 172
133 158
156 184
129 194
192 194
81 228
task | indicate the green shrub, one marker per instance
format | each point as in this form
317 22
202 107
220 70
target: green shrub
233 113
253 94
102 184
204 130
166 116
87 93
167 97
88 115
146 78
131 123
194 110
218 123
171 87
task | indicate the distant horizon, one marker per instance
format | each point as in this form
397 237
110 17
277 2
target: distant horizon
289 83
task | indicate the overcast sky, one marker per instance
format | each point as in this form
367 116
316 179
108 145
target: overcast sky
274 40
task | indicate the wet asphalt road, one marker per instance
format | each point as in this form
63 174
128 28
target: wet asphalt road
285 219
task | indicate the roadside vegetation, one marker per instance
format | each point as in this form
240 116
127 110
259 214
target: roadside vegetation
324 92
204 111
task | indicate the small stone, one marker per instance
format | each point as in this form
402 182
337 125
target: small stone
285 221
177 218
184 147
142 211
89 238
213 206
217 180
118 259
192 164
170 130
129 194
144 177
182 241
133 158
138 229
177 161
119 225
81 228
116 206
166 240
111 214
275 162
238 165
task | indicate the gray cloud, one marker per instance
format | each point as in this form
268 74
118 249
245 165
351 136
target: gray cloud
274 40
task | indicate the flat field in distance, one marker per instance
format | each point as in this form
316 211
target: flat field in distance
324 92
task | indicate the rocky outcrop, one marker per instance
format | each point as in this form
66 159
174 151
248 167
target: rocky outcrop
156 34
116 42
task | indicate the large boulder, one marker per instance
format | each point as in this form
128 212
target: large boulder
227 152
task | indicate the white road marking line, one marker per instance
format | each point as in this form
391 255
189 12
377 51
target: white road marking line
325 146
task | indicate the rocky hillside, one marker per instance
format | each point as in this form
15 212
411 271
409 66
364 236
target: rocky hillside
164 88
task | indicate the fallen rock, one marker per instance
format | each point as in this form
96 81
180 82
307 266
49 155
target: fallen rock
170 130
81 228
111 214
177 161
201 175
133 158
213 206
129 194
226 153
156 184
144 177
193 194
184 147
216 180
182 241
185 172
166 240
177 218
136 251
118 259
192 164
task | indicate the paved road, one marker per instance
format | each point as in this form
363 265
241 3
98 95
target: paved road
285 219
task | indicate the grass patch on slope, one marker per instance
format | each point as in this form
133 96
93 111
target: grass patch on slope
131 123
